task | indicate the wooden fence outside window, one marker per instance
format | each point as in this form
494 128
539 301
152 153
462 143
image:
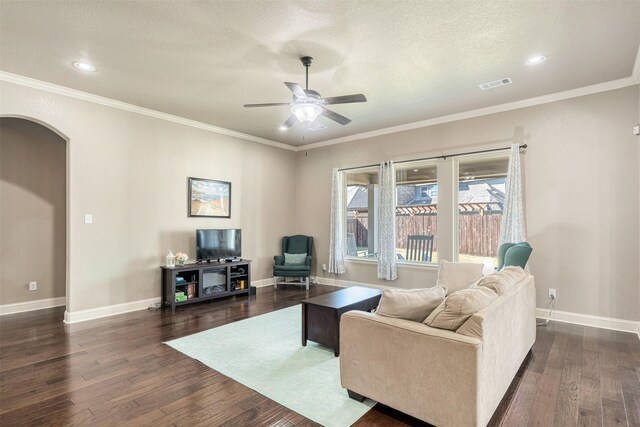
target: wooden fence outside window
478 232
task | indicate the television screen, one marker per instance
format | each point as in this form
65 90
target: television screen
216 244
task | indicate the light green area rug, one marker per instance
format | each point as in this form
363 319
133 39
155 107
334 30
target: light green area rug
265 353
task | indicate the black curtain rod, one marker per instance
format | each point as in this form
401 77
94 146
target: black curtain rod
444 157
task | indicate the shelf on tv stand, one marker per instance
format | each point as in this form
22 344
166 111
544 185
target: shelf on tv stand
199 271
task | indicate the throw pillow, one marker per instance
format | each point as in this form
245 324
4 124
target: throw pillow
460 306
294 259
458 275
503 280
410 304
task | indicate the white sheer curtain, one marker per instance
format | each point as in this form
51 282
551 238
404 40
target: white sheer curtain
512 229
387 223
336 236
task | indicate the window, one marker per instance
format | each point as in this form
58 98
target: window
480 186
361 203
416 211
481 192
426 192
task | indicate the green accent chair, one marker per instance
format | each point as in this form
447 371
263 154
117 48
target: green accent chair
516 254
297 244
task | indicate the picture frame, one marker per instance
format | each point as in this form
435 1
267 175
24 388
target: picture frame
209 198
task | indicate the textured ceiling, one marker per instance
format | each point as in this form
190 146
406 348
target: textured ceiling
414 60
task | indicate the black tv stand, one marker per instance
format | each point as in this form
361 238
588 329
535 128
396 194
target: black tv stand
203 282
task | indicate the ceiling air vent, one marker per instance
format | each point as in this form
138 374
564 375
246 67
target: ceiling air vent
495 83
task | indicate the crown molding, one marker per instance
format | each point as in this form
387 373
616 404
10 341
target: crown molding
85 96
515 105
634 79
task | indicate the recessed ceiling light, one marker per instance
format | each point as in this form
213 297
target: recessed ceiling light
84 66
536 60
283 128
415 170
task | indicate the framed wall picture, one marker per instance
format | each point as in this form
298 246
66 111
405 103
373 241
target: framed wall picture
209 198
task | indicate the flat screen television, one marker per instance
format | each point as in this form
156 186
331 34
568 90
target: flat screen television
217 244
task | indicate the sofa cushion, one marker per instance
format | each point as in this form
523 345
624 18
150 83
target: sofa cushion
459 306
458 275
296 267
294 259
410 304
503 280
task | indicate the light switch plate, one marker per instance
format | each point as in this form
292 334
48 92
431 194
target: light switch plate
88 219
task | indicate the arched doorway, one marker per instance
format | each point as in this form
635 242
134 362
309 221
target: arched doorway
33 215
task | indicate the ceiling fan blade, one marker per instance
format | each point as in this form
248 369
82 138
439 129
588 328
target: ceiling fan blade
335 117
296 89
290 122
346 99
271 104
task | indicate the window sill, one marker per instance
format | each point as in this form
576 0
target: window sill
418 265
401 264
360 260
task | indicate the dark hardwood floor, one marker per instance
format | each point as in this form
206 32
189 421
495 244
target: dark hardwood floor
116 371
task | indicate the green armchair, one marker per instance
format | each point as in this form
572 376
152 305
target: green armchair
297 263
514 254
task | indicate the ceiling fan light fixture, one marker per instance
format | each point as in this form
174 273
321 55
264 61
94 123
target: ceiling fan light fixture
306 112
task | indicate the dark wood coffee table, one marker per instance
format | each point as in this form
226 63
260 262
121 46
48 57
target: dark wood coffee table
321 314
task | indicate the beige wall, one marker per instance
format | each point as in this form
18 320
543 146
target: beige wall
32 211
130 171
581 186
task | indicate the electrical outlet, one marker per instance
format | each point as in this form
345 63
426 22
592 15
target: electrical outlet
552 293
33 286
324 267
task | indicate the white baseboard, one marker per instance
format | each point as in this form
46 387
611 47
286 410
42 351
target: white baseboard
345 283
591 320
109 310
262 283
269 282
21 307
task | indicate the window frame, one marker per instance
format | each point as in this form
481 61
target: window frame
353 171
453 163
463 159
413 164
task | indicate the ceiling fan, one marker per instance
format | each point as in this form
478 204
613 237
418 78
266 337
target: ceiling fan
308 105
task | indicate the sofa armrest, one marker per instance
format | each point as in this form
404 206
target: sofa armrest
431 374
279 259
307 260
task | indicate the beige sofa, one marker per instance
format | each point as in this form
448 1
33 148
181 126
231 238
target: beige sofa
442 377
